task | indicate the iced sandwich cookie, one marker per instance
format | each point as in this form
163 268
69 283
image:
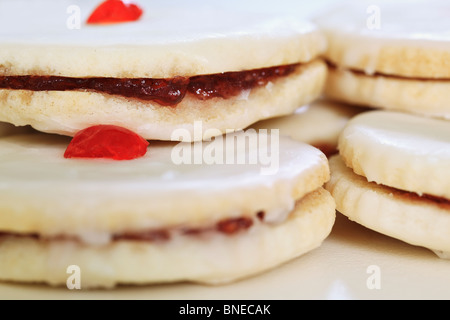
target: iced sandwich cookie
318 124
393 176
391 55
173 66
159 218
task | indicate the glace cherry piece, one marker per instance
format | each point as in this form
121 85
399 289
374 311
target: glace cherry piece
115 11
107 142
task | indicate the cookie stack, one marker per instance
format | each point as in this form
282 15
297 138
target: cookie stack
212 211
392 174
158 74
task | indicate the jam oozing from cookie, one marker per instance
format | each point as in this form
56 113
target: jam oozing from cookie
115 11
231 226
107 142
165 92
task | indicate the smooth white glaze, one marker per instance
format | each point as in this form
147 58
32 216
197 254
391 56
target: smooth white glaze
171 38
403 151
94 197
358 38
45 22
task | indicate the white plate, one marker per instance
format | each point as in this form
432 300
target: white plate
337 270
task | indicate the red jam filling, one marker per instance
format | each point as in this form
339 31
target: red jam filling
107 142
151 236
228 227
232 226
115 11
166 92
226 85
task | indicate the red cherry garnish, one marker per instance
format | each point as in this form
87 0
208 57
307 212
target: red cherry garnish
107 141
115 11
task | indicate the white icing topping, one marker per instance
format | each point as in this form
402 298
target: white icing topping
398 20
358 31
403 151
45 22
173 38
151 192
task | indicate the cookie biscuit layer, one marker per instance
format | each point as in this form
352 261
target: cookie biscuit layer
105 197
428 98
392 176
383 36
407 217
383 55
67 112
399 150
153 220
167 41
212 259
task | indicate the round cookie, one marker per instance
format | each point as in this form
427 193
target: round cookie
166 43
382 55
318 124
155 219
399 150
392 176
211 259
428 98
68 112
402 215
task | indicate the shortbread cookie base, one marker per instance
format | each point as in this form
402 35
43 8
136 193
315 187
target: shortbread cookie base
43 193
418 222
169 40
424 97
379 37
399 150
211 258
67 112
